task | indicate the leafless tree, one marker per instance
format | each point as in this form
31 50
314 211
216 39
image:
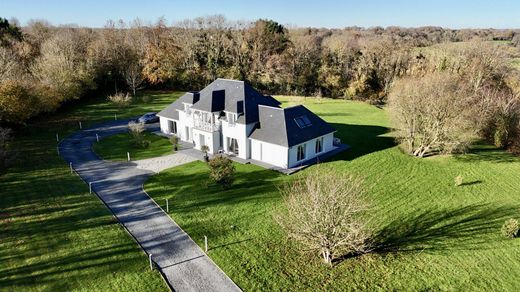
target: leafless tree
133 76
434 114
322 212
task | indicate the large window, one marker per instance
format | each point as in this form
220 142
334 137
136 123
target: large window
300 154
319 145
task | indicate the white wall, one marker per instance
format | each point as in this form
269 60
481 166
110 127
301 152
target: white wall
310 149
239 132
269 153
163 122
185 121
212 140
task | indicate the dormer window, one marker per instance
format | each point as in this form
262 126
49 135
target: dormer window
186 107
303 121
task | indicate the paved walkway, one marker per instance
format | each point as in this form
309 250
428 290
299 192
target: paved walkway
184 265
158 164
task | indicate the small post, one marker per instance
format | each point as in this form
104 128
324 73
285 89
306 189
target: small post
58 149
80 127
128 155
70 165
205 243
90 187
151 263
57 138
167 207
97 137
115 117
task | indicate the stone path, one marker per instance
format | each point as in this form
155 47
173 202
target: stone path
158 164
120 186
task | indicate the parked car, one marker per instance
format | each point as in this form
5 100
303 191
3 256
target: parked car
148 118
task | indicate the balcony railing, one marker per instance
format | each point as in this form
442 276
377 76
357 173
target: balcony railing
206 126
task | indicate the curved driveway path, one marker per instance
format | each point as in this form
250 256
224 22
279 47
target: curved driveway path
119 184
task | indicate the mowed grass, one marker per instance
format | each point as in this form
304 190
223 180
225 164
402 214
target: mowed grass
55 236
430 234
116 147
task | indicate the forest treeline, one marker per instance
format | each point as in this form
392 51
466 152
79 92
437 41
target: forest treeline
43 66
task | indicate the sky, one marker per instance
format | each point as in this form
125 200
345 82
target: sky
316 13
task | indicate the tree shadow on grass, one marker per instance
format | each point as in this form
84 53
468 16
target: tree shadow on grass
434 231
487 154
363 140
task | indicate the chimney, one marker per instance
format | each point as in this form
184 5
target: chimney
194 96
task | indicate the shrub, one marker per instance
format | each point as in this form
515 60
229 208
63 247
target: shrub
322 213
120 99
175 142
146 98
459 180
510 228
205 150
222 171
137 132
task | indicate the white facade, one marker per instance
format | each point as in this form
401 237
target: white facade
310 149
269 153
225 135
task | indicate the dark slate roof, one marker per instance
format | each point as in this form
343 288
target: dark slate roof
239 97
213 101
171 110
278 126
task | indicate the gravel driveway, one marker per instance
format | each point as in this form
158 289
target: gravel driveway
119 185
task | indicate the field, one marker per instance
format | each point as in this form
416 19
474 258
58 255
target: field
431 235
115 147
54 235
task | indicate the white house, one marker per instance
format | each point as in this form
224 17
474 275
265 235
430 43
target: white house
231 117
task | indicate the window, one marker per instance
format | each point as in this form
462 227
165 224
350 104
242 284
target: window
319 145
300 152
303 122
172 126
231 118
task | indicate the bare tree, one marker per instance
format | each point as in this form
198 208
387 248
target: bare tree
435 113
322 212
133 76
9 65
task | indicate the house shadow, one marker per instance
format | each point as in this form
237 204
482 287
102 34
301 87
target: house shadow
362 139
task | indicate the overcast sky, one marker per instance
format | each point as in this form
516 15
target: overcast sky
318 13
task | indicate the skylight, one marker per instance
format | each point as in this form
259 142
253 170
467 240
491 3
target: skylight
303 121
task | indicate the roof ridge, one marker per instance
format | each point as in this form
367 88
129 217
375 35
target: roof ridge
274 107
234 80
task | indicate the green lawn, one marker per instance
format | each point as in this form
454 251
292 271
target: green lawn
115 147
55 236
433 235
